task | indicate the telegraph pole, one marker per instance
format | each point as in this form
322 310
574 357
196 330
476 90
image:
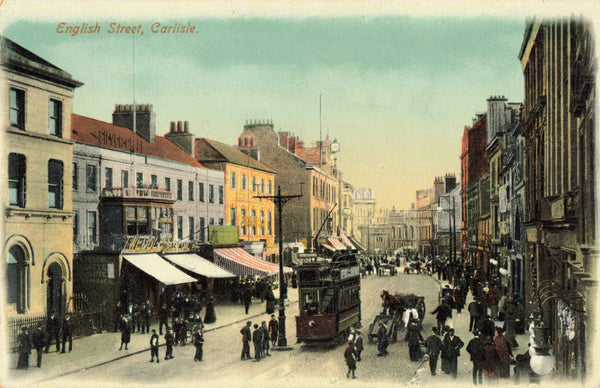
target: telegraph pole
279 201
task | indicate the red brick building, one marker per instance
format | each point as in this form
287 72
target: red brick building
474 164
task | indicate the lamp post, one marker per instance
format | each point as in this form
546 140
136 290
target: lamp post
279 201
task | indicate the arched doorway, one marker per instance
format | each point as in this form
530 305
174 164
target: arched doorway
54 291
16 279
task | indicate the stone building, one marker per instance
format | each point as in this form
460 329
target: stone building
37 154
502 117
559 65
300 169
364 209
347 204
403 230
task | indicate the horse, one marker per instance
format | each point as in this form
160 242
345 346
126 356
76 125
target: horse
392 303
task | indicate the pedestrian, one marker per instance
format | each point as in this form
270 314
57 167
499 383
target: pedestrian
273 330
358 345
169 341
163 318
257 340
487 327
492 302
475 349
270 308
146 316
382 340
210 316
52 329
246 337
154 347
351 335
266 339
490 357
125 332
350 357
442 313
24 348
135 318
37 340
451 346
414 338
247 299
198 340
67 333
433 344
504 354
473 313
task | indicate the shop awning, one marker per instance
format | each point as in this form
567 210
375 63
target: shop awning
356 243
337 244
326 246
346 241
242 263
199 265
159 268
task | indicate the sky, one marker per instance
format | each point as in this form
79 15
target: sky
397 88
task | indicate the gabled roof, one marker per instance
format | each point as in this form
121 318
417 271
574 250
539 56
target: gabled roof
211 151
101 134
18 58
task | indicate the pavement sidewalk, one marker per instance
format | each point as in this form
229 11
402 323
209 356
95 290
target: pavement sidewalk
103 348
460 323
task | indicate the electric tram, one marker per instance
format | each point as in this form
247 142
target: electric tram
329 299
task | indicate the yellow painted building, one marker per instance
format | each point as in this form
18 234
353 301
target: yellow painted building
245 179
36 178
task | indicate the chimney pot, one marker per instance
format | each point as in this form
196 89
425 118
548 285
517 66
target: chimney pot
185 126
172 127
178 126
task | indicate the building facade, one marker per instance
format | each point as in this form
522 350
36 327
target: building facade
245 179
300 170
558 62
474 164
36 180
113 163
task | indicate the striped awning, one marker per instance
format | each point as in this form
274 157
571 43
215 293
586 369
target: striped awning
327 246
159 268
346 241
242 263
199 265
337 244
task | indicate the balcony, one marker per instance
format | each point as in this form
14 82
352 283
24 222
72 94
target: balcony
137 193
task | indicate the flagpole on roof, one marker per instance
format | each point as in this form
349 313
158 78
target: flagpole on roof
133 79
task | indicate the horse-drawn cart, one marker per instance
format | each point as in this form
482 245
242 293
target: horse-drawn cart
398 309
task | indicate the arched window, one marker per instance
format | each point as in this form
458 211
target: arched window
17 279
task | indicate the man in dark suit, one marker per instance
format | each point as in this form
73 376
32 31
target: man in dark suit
52 329
257 339
475 349
246 337
433 344
450 352
247 297
38 339
67 333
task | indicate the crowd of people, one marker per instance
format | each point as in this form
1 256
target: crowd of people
41 339
262 337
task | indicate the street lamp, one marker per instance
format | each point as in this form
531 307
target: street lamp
279 201
542 362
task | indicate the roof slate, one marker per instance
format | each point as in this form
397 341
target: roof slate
99 133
